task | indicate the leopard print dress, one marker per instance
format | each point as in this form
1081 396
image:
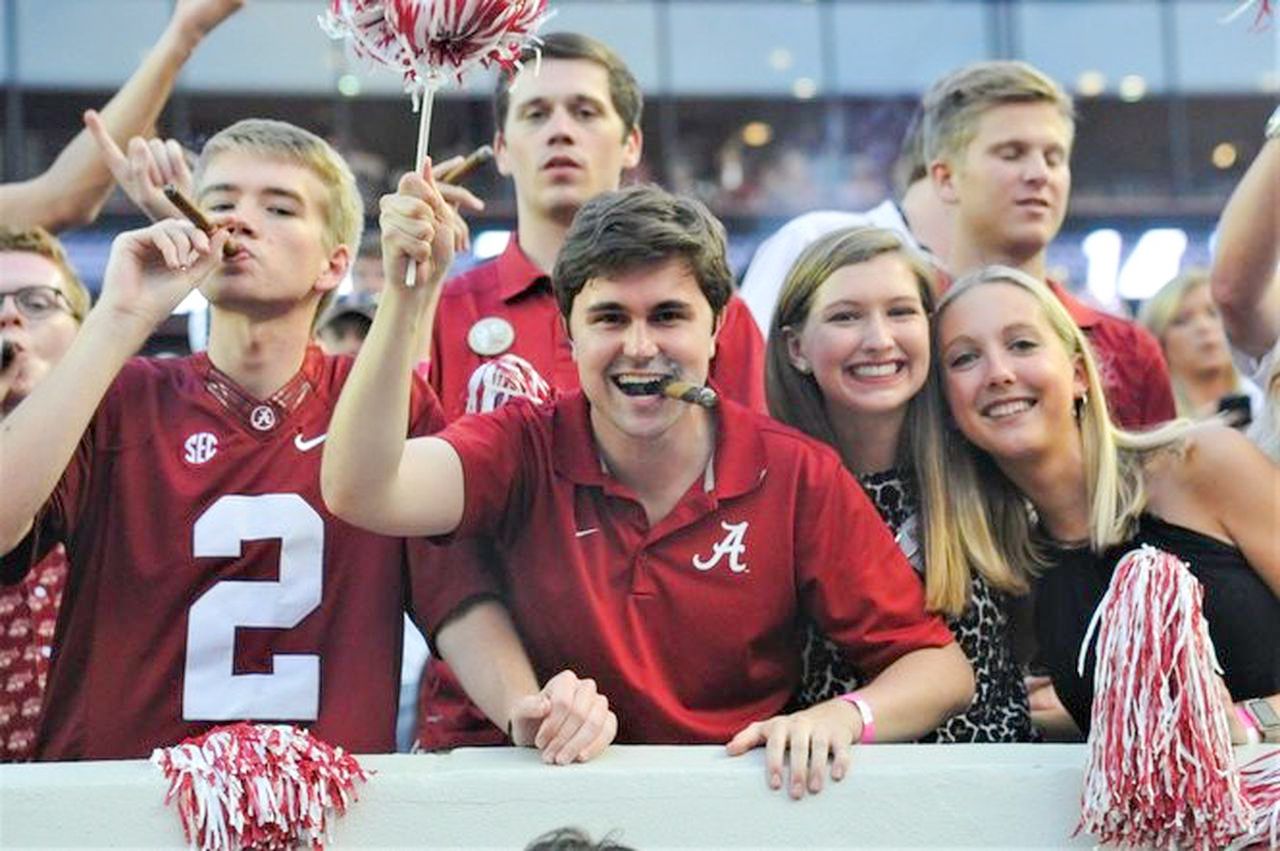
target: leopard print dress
999 712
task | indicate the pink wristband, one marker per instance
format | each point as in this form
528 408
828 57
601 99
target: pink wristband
868 720
1252 734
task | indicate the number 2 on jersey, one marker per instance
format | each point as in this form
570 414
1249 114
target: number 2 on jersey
210 689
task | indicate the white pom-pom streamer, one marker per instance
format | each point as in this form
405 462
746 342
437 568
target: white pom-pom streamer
496 382
257 786
1160 771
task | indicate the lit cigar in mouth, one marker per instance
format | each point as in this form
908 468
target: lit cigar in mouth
683 391
8 351
694 394
463 170
197 218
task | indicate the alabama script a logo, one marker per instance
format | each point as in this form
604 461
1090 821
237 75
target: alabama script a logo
733 545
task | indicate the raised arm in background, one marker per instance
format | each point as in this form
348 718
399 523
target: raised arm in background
71 192
1244 278
148 273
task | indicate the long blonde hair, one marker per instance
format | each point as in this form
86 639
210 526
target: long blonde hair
990 519
796 399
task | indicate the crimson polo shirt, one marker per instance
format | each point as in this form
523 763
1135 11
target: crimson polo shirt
513 288
692 628
1134 374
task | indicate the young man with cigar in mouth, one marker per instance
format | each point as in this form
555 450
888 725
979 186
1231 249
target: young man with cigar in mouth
567 127
666 552
205 574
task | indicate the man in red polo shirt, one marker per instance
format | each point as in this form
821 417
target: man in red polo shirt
998 139
568 126
667 552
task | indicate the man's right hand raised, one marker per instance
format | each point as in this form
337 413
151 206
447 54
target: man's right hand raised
417 224
150 271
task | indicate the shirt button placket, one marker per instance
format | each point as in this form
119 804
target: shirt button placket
642 574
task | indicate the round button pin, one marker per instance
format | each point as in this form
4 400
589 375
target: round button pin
263 418
490 336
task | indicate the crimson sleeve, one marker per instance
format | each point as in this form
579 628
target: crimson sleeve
494 453
854 581
445 577
57 519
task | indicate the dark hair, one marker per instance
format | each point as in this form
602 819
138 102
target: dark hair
573 839
639 226
623 89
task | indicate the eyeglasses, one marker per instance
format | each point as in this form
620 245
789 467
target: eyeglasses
37 303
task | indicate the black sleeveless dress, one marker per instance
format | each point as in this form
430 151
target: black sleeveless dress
1242 611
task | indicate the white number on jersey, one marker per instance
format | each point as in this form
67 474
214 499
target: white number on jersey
210 691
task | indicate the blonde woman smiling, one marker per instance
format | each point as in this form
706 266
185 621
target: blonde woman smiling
1039 479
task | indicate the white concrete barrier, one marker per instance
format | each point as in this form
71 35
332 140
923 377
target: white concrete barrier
647 797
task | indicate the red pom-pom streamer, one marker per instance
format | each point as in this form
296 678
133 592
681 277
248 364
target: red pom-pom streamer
446 38
498 381
1259 20
363 23
429 42
1160 771
257 786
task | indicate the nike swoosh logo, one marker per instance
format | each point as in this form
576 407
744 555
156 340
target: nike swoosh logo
305 445
582 533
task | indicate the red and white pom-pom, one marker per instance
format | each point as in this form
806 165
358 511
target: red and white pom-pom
363 23
1160 769
257 786
429 42
1259 20
446 38
497 382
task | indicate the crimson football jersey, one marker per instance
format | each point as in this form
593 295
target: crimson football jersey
208 583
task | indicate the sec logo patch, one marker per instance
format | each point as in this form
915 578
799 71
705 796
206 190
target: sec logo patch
199 448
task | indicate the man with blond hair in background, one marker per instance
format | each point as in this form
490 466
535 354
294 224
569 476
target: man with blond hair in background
998 137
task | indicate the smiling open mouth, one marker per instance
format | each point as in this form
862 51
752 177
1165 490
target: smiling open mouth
650 387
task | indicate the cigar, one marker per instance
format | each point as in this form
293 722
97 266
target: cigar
463 170
681 391
8 351
694 394
197 218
